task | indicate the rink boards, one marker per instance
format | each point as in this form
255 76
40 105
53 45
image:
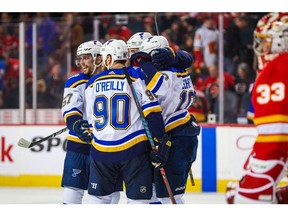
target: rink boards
222 151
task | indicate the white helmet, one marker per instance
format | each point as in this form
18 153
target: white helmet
90 47
116 48
136 40
154 42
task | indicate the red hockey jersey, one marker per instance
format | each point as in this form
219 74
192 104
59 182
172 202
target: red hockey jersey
270 101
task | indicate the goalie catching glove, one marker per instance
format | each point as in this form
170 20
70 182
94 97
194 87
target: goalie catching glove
159 158
81 129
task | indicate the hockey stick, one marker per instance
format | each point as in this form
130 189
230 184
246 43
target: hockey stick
27 144
191 177
145 124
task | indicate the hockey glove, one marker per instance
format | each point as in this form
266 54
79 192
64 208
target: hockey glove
140 57
159 158
81 129
163 58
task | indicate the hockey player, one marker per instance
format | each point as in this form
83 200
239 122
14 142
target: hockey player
164 57
175 92
268 161
120 145
76 165
135 41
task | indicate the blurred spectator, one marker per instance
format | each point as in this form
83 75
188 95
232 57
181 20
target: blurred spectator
177 32
246 35
233 43
46 38
149 25
212 94
119 30
136 24
165 20
189 25
188 44
8 42
11 81
167 34
200 106
6 21
76 32
2 71
243 80
55 82
88 26
44 98
206 44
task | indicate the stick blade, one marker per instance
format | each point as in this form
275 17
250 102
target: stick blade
24 143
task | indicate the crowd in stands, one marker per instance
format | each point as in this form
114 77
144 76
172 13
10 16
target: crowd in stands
59 34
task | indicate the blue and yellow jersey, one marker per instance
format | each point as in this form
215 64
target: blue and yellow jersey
118 132
175 93
73 104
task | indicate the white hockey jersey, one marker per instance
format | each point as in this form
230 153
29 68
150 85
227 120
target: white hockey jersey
73 101
175 93
118 133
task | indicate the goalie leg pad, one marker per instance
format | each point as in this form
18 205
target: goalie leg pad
259 184
72 195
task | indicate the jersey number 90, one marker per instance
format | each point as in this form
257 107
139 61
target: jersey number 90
114 110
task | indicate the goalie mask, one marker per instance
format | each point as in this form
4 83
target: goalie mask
270 37
117 49
154 42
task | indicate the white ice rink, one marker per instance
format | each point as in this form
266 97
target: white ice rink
21 195
48 201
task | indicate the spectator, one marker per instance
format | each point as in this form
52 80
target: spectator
119 30
56 82
243 80
206 44
77 31
200 107
188 44
11 81
212 94
2 71
232 44
46 38
149 25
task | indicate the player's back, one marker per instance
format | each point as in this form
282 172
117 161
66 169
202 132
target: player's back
270 95
118 133
175 93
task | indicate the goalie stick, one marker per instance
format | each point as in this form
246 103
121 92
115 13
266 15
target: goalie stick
27 144
145 124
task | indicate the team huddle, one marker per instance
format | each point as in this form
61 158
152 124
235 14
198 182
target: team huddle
128 121
127 118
